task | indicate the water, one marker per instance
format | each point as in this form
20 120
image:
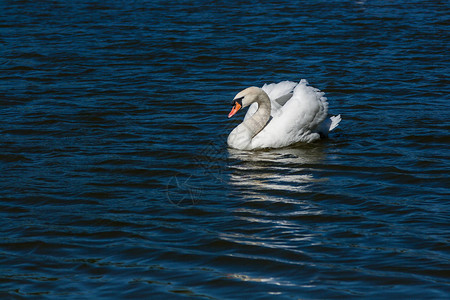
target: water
116 181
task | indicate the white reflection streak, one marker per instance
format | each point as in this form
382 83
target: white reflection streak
278 169
280 175
269 280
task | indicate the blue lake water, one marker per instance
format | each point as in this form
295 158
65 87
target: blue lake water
116 180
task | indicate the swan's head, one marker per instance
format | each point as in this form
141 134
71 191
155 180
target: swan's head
244 98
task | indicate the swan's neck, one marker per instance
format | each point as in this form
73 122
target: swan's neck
258 121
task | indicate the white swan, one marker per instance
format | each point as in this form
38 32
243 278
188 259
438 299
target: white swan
281 114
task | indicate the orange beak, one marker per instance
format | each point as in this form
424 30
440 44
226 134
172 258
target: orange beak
234 110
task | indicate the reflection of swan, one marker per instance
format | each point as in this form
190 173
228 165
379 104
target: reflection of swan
272 173
278 188
282 114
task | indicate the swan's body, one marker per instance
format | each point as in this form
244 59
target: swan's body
281 114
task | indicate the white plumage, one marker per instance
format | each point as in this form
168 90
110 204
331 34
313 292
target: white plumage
281 114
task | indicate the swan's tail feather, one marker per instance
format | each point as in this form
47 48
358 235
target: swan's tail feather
335 120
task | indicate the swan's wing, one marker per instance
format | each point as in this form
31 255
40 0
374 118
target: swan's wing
312 103
277 104
277 90
297 120
283 99
279 94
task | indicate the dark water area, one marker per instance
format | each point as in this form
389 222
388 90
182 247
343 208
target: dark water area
116 180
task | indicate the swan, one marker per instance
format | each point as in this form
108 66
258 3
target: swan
280 114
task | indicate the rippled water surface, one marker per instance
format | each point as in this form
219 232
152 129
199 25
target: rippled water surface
115 177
